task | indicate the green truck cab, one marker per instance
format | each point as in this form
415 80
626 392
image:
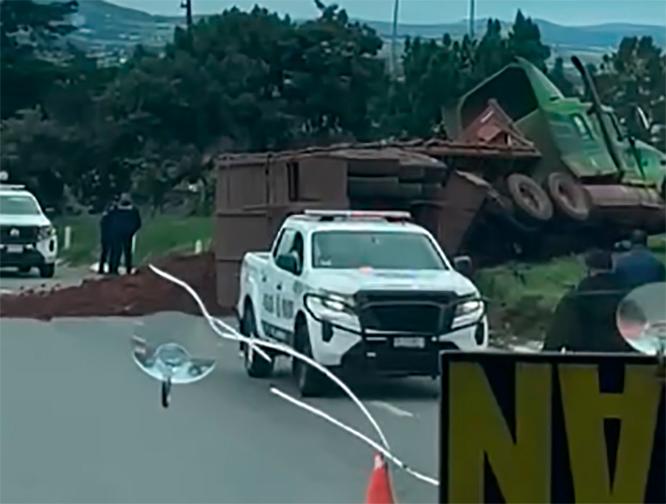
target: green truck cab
565 130
585 152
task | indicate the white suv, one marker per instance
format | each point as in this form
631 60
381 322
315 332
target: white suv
27 237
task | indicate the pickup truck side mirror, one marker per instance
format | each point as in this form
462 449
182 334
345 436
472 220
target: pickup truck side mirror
463 264
288 262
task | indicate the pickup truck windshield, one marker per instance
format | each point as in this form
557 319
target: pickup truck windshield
379 250
18 205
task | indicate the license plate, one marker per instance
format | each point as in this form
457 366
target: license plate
15 249
409 342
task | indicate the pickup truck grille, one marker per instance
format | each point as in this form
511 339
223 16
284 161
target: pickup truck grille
19 235
405 312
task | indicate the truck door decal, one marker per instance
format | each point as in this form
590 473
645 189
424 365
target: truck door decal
268 302
287 308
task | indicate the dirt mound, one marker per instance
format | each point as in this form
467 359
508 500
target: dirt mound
139 294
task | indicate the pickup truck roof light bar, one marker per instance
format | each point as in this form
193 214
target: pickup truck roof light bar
328 215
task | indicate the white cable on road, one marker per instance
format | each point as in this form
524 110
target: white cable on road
354 432
234 335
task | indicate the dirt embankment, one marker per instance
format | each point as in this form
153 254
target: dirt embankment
131 295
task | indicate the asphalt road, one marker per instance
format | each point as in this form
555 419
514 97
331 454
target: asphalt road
79 422
12 282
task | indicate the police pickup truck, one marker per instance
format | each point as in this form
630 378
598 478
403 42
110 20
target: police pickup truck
357 291
27 237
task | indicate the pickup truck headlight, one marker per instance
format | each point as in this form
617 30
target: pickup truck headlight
469 307
331 303
46 232
337 302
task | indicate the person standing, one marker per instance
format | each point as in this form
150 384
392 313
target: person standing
106 238
125 223
585 318
639 266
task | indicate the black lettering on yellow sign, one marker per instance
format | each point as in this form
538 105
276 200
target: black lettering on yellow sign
551 428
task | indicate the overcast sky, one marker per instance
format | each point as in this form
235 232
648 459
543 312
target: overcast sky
567 12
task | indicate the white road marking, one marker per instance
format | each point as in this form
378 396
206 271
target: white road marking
6 291
394 410
529 347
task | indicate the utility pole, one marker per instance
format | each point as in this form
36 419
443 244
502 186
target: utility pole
471 19
394 39
187 5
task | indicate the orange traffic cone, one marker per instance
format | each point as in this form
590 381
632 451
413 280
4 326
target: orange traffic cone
379 489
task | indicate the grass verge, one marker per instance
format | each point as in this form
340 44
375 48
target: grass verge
523 296
158 236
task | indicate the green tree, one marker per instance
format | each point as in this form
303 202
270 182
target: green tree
635 76
559 78
31 58
525 41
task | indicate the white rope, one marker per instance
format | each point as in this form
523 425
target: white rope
234 335
354 432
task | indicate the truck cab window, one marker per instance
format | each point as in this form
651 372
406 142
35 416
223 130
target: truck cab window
284 243
297 248
582 127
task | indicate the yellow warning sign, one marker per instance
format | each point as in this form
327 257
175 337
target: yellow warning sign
551 428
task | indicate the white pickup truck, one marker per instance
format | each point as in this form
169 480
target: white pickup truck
357 291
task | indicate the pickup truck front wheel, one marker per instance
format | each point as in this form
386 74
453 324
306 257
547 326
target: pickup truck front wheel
311 382
255 365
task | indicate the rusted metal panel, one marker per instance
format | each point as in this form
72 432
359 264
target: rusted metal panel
494 127
279 182
228 282
238 232
379 167
452 216
254 228
319 178
628 207
242 186
613 195
406 152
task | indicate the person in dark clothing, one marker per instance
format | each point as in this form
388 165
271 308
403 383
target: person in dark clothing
125 222
639 266
585 318
106 238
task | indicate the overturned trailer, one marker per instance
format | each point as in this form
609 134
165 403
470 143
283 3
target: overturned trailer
255 192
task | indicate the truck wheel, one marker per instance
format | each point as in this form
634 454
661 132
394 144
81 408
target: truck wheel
47 270
310 381
255 365
529 197
569 197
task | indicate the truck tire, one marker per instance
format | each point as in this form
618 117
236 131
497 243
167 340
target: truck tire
47 270
569 197
311 382
529 197
255 365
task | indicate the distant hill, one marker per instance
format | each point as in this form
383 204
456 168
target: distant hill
104 26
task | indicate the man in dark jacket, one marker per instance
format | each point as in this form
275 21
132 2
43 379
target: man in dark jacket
125 222
585 318
639 266
106 237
